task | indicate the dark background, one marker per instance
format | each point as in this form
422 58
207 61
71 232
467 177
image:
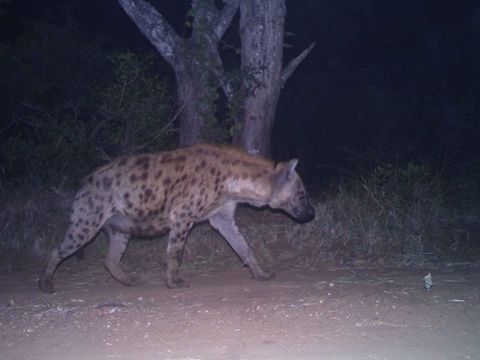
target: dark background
387 82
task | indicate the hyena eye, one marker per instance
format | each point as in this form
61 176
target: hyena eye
301 195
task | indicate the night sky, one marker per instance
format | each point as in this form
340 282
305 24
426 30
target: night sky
397 81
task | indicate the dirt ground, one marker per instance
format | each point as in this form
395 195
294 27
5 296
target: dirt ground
348 313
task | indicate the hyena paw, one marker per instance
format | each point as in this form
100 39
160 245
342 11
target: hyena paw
46 285
131 280
263 275
176 283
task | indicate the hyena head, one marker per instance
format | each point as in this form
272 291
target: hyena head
289 192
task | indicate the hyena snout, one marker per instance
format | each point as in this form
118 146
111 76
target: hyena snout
303 213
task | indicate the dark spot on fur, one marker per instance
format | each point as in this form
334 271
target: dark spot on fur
126 195
166 158
97 184
144 175
203 163
122 162
143 162
158 175
133 178
167 181
107 183
148 193
129 205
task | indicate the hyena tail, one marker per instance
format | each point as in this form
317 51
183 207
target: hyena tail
82 229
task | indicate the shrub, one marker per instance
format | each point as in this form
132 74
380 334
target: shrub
395 214
72 105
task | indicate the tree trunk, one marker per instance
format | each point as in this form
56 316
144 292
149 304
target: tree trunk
262 32
199 70
195 61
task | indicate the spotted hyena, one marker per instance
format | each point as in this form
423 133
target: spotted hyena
146 195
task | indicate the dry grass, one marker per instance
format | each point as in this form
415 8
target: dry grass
32 221
373 220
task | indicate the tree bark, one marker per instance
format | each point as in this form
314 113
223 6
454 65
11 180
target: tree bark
262 33
196 61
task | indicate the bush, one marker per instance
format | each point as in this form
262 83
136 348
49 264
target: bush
396 214
72 105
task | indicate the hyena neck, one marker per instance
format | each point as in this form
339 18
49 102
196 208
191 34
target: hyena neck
256 193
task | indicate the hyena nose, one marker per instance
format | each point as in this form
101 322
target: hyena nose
306 214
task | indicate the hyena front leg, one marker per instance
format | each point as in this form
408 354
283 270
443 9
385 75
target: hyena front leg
175 249
224 222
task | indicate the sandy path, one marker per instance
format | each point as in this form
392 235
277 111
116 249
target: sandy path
335 314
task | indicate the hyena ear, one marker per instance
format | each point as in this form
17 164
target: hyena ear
285 171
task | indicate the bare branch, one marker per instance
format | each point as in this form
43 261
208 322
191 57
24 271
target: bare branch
290 68
154 26
226 16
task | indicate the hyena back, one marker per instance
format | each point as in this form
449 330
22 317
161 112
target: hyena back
149 194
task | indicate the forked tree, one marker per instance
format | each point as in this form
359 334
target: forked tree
199 70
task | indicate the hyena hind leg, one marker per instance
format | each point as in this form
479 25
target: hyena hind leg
117 244
73 241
